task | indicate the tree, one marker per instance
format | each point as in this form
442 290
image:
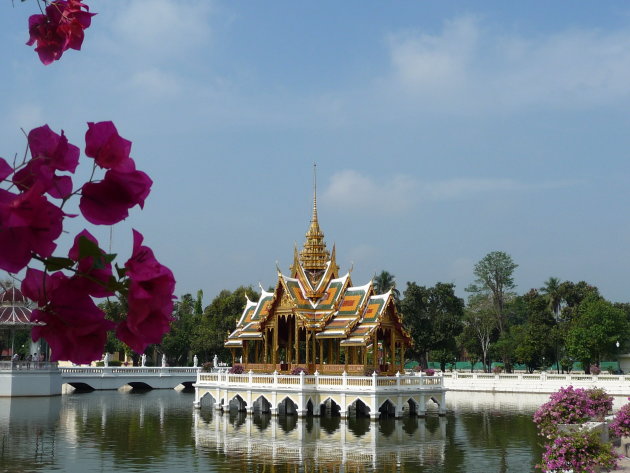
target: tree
218 321
383 282
176 344
534 341
434 318
595 329
480 319
553 291
495 278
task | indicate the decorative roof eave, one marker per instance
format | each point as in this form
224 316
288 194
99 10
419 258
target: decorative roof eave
233 344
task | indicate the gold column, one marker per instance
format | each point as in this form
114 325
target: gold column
297 340
392 347
306 335
289 345
375 349
266 335
330 349
321 351
274 348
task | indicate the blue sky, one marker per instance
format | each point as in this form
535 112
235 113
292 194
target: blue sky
441 131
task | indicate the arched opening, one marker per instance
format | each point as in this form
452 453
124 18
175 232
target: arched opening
82 387
139 386
207 400
309 408
287 407
387 409
237 404
410 407
329 408
262 405
358 409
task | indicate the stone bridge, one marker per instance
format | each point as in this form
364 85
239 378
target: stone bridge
144 377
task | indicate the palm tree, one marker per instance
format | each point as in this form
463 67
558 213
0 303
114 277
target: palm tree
552 289
385 281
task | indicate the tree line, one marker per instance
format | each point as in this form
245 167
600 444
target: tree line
560 323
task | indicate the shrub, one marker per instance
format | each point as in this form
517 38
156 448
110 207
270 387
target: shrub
417 368
237 369
298 369
600 403
371 371
620 426
580 452
429 372
595 370
498 369
207 366
567 406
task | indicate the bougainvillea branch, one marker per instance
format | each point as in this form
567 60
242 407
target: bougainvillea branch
66 287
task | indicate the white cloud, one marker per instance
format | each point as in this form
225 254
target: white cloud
154 82
466 67
350 189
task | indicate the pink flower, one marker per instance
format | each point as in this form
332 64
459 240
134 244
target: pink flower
28 224
107 147
5 169
94 273
50 152
150 300
76 329
108 202
59 29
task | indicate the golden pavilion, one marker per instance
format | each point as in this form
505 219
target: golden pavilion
319 321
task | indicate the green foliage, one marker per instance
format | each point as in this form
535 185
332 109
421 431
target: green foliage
595 328
385 281
433 316
218 321
495 278
176 343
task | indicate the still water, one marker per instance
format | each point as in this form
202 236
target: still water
159 431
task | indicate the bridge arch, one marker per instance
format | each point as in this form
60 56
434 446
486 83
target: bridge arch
262 405
139 385
210 401
82 387
387 408
237 403
329 407
358 408
287 406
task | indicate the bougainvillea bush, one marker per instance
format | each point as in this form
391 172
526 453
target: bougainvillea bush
579 452
571 406
299 369
620 426
237 369
34 192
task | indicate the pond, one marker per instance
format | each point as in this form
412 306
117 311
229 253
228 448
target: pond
159 431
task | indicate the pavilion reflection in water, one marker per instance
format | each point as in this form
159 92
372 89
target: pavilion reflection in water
321 444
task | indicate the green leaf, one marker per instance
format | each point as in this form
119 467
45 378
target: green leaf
55 263
88 248
120 271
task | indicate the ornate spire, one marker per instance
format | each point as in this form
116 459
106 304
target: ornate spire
314 255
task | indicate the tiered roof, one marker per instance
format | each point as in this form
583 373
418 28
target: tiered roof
319 298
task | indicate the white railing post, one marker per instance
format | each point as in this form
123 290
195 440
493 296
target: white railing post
374 379
301 378
251 375
316 374
398 379
275 378
344 379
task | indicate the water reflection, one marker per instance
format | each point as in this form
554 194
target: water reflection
330 443
159 431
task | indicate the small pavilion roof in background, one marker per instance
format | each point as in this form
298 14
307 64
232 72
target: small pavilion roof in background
14 311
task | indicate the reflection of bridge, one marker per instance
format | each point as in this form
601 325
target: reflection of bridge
137 377
326 444
307 394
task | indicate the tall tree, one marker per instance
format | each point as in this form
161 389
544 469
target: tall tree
495 277
479 318
553 291
383 282
595 329
433 316
535 340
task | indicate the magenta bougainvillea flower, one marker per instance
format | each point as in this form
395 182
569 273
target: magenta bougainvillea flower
108 202
58 29
107 147
50 152
75 327
29 223
150 299
5 169
94 272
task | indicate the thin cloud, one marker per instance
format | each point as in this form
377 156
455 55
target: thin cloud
467 66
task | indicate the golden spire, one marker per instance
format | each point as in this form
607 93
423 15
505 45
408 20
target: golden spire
314 255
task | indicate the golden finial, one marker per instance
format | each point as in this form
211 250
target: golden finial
314 255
